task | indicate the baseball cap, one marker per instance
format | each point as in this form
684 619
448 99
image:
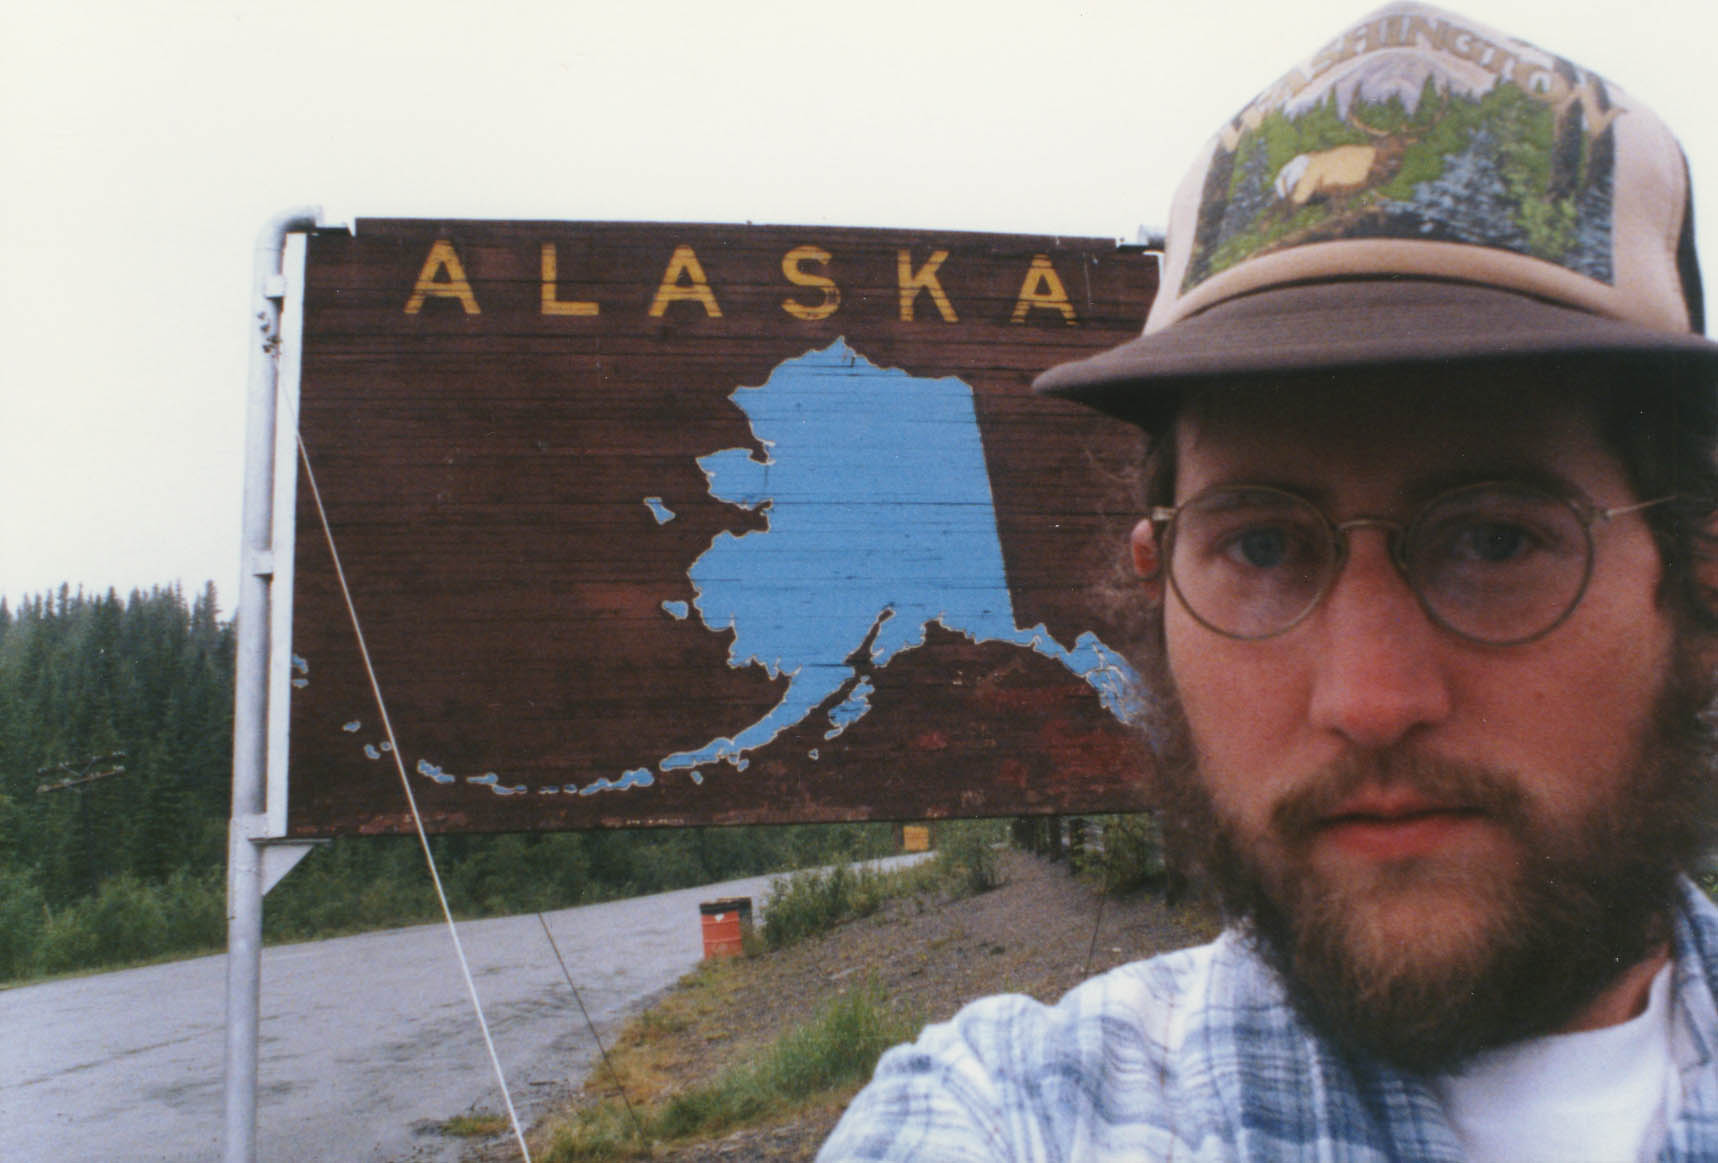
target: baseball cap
1421 189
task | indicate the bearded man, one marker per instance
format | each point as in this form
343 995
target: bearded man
1426 575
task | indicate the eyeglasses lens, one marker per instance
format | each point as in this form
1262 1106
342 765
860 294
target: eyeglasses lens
1495 563
1499 564
1250 562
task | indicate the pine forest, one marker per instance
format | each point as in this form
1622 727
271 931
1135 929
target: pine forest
115 770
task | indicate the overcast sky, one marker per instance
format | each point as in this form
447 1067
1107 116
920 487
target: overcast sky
146 144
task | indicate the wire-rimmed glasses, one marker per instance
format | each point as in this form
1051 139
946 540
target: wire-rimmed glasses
1502 563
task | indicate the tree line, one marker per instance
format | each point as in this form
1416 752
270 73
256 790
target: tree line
115 770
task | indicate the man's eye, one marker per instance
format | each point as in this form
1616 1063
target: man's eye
1490 542
1266 547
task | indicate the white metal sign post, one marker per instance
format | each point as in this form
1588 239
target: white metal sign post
253 863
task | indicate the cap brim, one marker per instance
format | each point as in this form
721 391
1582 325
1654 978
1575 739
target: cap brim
1348 325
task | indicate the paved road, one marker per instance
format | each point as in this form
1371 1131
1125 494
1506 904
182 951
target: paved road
364 1042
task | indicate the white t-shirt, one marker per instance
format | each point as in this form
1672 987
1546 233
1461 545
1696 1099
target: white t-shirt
1599 1096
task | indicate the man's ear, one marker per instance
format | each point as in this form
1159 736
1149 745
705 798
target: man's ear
1146 562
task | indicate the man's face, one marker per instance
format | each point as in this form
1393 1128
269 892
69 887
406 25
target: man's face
1402 809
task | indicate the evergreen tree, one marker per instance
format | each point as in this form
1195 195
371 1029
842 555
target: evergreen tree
132 866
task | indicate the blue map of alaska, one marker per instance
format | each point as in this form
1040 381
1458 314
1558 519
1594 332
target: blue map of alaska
880 521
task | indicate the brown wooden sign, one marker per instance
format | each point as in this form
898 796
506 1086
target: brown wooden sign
676 524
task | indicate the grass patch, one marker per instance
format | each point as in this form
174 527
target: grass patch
808 903
805 904
1124 853
473 1126
644 1058
833 1053
969 859
821 1062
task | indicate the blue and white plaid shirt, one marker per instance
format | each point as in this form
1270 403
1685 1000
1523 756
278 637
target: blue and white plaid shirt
1197 1055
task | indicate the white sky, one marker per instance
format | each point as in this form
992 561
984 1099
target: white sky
147 143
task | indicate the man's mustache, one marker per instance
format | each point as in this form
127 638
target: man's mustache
1392 781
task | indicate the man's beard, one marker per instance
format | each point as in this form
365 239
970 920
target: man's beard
1537 941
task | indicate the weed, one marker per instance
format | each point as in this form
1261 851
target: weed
841 1047
644 1056
474 1126
808 903
836 1050
604 1131
967 855
1125 853
805 904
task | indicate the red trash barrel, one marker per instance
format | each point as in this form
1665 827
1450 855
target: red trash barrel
725 923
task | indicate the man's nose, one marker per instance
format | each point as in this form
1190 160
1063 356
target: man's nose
1378 672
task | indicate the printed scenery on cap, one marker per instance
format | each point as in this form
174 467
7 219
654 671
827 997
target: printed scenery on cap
1419 144
1467 139
1421 188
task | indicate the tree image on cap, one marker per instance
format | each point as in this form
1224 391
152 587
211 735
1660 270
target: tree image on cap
1406 143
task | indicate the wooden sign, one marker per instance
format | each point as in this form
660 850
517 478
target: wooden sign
689 524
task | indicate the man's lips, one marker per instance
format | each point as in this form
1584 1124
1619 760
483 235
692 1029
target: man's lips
1394 827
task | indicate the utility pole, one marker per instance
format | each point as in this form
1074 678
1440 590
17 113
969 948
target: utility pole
83 773
78 779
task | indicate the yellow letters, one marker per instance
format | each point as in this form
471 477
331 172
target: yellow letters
553 305
684 264
817 295
1042 287
790 267
442 258
923 279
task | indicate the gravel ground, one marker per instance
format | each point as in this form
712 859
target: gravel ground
1041 933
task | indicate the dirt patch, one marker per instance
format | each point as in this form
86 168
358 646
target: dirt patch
1041 933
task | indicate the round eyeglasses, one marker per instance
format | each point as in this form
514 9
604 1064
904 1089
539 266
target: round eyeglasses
1500 563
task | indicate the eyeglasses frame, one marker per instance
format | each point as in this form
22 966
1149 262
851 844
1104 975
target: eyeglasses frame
1587 514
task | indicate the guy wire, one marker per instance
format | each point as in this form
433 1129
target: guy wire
1097 924
411 800
619 1087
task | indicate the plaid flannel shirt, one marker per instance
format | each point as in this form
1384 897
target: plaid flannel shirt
1197 1055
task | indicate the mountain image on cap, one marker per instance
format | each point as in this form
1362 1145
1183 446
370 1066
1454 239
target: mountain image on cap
1405 143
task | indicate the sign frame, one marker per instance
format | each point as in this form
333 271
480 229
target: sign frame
440 284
